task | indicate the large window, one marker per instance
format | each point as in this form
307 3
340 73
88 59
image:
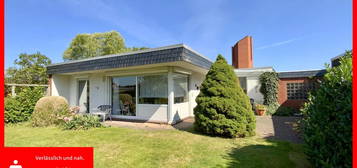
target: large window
299 91
180 88
152 89
124 96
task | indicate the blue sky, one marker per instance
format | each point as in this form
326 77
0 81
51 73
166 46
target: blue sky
287 34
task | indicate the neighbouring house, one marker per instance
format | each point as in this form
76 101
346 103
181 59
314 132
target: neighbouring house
293 85
155 85
161 84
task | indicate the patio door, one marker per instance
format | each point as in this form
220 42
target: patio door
124 96
83 96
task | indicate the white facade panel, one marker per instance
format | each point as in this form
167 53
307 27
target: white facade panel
152 112
180 111
253 86
59 86
98 91
195 81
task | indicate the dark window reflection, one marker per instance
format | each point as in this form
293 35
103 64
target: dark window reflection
124 96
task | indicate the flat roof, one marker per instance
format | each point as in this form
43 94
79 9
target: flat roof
302 73
172 53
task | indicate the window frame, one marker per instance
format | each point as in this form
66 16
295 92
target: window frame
138 89
188 88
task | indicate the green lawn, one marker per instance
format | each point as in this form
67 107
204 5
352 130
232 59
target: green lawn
124 147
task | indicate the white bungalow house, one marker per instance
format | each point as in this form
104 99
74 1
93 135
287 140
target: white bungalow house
155 85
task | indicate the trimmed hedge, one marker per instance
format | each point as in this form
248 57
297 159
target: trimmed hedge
328 118
21 107
223 109
50 110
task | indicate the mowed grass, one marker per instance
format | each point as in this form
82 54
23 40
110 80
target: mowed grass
125 147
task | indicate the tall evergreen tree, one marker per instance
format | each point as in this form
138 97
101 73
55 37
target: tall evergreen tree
223 109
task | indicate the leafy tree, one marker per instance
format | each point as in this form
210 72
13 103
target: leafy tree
82 46
96 44
223 109
328 118
136 48
29 69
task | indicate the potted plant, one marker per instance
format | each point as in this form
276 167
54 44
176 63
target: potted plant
260 109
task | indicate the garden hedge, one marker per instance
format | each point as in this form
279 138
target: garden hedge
21 107
327 122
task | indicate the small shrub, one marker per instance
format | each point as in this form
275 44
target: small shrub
50 110
272 108
327 122
13 113
82 122
285 111
260 107
223 109
21 107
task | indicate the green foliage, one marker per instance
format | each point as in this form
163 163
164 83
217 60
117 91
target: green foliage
285 111
50 110
223 109
29 69
260 107
269 87
328 118
129 49
20 108
96 44
82 122
272 108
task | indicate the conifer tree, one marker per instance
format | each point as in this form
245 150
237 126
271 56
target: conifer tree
223 109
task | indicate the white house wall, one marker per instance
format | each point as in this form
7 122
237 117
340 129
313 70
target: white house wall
59 86
180 111
73 91
152 112
195 81
253 86
100 94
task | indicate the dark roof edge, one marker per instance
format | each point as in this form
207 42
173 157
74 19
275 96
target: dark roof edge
131 53
302 73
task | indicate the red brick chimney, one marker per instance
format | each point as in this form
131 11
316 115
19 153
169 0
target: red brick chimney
242 53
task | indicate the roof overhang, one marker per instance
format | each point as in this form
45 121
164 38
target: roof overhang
163 56
252 72
302 74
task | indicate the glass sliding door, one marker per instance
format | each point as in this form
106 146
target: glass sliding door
124 96
83 96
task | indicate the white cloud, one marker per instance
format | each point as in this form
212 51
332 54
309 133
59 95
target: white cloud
278 44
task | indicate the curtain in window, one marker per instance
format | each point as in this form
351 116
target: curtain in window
180 88
153 89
